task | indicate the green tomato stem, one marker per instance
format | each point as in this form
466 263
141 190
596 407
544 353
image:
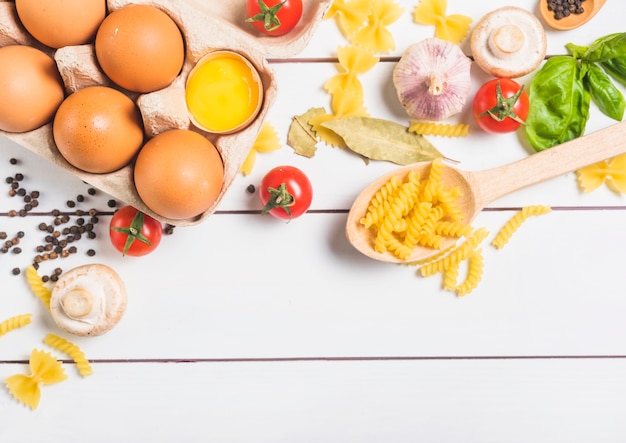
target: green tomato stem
279 198
269 16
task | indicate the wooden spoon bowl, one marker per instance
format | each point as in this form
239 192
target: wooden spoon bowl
480 188
572 21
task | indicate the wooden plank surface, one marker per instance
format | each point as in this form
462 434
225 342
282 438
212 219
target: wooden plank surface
248 329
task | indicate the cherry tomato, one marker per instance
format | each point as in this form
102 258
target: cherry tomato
500 105
134 233
274 17
286 192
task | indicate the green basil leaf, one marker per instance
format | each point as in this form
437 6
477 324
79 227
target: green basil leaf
604 93
616 68
559 104
604 48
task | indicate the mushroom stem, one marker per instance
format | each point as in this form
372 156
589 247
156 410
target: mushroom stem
77 303
506 40
436 84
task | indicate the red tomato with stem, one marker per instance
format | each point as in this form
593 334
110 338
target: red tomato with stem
134 233
286 192
500 105
274 17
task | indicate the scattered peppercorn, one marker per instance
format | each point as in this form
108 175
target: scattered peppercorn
169 229
251 189
61 233
564 8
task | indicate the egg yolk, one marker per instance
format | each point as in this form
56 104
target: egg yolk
223 93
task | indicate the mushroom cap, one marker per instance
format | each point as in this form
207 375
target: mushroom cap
508 42
88 300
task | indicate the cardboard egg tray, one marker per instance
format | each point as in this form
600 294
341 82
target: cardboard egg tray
206 25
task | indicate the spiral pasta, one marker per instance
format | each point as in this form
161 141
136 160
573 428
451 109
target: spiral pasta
440 129
513 224
450 277
474 273
36 285
406 213
457 255
72 350
10 324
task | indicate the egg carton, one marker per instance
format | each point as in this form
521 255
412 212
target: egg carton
206 25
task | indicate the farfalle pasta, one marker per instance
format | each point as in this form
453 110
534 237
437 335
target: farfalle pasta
37 286
350 15
72 350
513 224
16 322
44 370
353 61
266 141
375 36
611 171
440 129
343 105
453 28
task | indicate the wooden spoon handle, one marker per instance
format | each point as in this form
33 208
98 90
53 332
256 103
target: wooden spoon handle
494 183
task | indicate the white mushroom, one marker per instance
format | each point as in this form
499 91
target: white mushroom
432 79
509 42
88 300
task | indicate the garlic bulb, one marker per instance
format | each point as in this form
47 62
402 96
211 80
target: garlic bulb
432 79
88 300
508 42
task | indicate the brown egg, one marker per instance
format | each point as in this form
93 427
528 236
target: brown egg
140 48
58 23
31 88
98 129
179 174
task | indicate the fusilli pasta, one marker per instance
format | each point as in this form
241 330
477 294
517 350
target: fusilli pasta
406 213
513 224
474 273
457 255
36 285
72 350
18 321
440 129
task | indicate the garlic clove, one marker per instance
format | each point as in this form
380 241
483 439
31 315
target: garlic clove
432 79
508 42
88 300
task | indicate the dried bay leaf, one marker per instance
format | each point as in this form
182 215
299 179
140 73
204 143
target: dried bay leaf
379 139
301 136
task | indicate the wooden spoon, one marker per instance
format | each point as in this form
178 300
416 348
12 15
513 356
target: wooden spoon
482 187
573 20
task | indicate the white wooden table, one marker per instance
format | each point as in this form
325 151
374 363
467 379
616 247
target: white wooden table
248 329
